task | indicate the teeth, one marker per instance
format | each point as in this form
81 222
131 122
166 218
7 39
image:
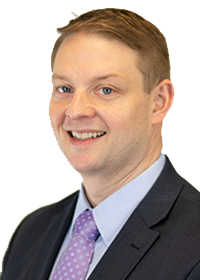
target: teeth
85 135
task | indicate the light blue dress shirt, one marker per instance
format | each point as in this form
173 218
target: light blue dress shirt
112 213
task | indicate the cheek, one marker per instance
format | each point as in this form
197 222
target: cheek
132 121
56 113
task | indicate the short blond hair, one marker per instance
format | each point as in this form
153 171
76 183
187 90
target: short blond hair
130 28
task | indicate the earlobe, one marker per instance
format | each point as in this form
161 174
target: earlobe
163 95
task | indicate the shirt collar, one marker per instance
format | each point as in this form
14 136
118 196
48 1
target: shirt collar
112 213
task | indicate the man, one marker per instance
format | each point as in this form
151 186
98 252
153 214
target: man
111 92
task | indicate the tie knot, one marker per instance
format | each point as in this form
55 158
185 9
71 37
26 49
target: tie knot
85 225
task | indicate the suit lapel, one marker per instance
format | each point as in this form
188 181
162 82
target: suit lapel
52 240
137 235
126 250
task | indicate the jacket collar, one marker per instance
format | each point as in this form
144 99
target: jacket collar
160 199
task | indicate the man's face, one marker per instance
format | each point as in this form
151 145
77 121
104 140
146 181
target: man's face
99 112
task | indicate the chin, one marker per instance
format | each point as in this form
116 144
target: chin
85 168
79 164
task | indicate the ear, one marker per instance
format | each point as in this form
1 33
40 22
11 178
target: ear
163 95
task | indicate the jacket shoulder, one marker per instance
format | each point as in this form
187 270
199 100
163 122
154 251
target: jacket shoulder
47 212
190 193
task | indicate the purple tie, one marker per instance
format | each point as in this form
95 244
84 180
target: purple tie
75 260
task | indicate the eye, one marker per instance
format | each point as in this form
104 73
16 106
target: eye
106 90
64 89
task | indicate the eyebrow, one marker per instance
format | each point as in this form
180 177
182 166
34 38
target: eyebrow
97 78
60 77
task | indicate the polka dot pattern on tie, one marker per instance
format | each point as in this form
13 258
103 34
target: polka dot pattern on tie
85 226
75 260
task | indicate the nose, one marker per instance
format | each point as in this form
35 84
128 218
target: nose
80 106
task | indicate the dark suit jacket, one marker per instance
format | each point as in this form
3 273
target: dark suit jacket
161 239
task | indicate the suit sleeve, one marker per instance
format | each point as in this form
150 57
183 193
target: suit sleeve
6 257
3 265
195 273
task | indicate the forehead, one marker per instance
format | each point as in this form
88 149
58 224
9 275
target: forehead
83 46
94 51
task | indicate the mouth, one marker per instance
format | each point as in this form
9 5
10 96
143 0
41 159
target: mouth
85 135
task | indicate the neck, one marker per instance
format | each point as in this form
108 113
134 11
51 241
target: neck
99 187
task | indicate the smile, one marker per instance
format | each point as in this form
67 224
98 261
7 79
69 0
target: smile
83 136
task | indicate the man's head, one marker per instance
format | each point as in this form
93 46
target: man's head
105 122
131 29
